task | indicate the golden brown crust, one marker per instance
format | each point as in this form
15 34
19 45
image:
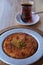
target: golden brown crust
20 45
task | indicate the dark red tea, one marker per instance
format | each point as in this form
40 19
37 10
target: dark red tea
26 12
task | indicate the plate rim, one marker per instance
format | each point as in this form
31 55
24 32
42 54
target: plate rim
16 31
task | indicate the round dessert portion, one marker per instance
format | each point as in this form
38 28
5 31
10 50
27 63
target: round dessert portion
20 45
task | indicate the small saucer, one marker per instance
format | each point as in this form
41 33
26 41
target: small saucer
35 18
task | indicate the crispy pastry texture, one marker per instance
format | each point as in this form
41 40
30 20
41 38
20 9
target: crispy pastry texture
20 45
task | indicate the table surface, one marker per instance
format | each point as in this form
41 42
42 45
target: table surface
8 21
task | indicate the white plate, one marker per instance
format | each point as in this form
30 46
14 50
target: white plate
29 60
35 18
